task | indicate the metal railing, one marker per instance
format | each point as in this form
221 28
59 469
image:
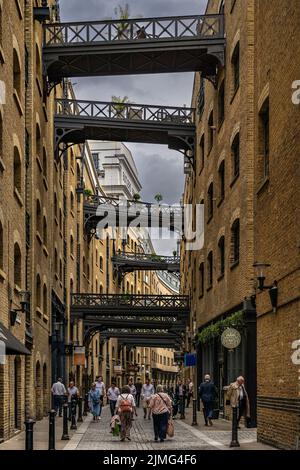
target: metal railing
131 300
125 111
146 257
141 29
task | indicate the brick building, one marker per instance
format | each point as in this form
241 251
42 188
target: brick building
246 175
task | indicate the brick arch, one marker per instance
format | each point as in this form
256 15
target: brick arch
236 39
221 158
236 215
236 130
16 144
15 45
263 96
221 233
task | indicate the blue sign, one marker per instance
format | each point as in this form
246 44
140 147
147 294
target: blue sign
190 360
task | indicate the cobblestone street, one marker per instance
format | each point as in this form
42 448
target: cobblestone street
96 436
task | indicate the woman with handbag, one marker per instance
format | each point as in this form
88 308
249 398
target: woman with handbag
161 407
94 402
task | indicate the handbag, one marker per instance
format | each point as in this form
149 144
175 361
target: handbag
170 428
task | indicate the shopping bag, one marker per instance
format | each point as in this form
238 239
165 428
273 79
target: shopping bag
170 428
116 430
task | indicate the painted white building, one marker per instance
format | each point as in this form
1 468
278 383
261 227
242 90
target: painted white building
117 172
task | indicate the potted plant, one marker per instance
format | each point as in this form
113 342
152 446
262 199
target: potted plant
119 105
122 14
158 197
136 197
88 193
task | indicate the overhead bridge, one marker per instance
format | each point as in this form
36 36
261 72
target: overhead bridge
101 212
134 46
124 263
77 121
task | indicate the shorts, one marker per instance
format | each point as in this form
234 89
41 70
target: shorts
146 402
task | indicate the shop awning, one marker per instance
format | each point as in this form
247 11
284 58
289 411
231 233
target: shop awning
12 344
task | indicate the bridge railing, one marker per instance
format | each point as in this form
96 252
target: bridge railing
130 300
125 111
140 29
146 257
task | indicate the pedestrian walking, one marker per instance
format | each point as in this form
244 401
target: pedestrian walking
138 387
161 407
132 387
58 392
239 399
94 402
190 392
73 394
125 408
208 393
100 385
146 394
112 394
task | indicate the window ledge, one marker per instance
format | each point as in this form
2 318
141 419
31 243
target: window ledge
39 163
72 256
263 186
45 182
60 284
234 94
39 312
234 264
46 252
235 178
2 275
45 318
221 277
220 201
2 165
17 289
38 82
209 219
18 197
18 102
2 56
38 236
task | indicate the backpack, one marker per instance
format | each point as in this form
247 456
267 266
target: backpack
125 404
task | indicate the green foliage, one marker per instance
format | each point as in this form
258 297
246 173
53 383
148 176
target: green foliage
136 197
88 192
236 320
158 197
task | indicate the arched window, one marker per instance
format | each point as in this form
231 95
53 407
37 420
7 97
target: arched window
45 165
17 171
221 246
38 68
60 219
235 156
45 231
1 247
210 131
264 138
101 289
17 265
38 141
71 286
221 103
72 245
210 269
101 263
45 299
235 242
222 7
201 280
38 216
60 269
55 261
72 201
235 65
210 201
221 173
16 73
38 293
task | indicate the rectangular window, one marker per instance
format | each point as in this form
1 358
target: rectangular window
236 67
265 125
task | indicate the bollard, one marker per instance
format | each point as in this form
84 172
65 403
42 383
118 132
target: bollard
234 439
65 434
86 404
29 434
194 423
79 418
73 414
52 414
181 407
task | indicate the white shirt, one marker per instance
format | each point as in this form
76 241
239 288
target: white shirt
72 391
191 387
113 393
147 391
58 389
132 389
101 387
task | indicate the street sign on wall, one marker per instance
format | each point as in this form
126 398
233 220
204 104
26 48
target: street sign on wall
79 356
190 360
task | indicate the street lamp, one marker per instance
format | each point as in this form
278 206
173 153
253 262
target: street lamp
273 289
24 303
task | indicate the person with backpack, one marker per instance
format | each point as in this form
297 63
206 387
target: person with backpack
161 407
125 408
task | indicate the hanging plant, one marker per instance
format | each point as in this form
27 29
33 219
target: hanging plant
236 320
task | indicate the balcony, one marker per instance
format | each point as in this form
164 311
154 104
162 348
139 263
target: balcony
134 46
77 121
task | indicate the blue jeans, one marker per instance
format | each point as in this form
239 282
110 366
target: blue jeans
208 409
160 423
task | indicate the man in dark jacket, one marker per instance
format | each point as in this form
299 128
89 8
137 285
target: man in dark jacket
208 394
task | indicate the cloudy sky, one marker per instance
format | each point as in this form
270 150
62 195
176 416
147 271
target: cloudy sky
160 169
